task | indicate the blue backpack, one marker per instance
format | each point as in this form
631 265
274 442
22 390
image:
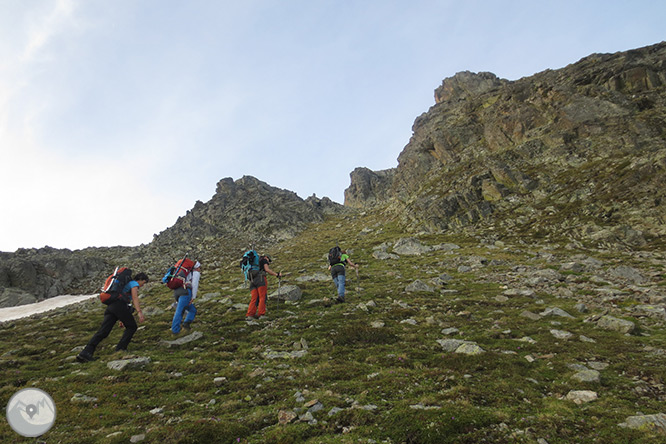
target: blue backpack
249 262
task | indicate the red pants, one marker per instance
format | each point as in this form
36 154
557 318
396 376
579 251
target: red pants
258 297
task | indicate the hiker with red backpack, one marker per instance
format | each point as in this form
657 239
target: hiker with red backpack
118 309
184 282
337 259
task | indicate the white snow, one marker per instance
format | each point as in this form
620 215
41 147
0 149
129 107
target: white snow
22 311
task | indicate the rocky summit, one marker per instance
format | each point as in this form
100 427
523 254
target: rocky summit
576 153
245 211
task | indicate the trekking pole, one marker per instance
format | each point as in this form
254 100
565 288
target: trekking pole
277 299
357 280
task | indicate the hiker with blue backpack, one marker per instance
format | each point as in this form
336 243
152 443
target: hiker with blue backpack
255 268
122 292
337 260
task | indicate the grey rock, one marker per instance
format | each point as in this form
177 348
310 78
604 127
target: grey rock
529 315
582 396
470 348
555 311
582 308
460 346
128 364
287 293
194 336
383 255
587 376
611 323
560 334
78 397
419 285
629 274
410 246
655 311
450 345
656 422
334 410
270 354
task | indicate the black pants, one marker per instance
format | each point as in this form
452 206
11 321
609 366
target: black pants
117 311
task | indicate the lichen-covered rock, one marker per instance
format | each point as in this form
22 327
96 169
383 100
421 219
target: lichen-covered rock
585 138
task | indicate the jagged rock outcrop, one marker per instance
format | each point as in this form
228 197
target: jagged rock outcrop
248 211
578 152
33 274
368 187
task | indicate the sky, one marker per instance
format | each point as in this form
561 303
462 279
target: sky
117 116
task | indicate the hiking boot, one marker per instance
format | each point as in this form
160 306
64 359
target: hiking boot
339 301
187 326
85 356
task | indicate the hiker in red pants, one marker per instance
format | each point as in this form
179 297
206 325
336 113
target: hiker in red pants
259 289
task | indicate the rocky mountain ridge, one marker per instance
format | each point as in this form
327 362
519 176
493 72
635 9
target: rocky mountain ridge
578 152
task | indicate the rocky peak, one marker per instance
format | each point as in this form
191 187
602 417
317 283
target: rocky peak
368 187
246 210
583 145
467 84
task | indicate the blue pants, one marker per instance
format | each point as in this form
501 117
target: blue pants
338 274
184 305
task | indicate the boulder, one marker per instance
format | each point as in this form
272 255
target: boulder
611 323
287 293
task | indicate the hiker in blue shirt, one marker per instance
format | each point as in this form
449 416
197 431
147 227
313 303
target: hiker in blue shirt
121 311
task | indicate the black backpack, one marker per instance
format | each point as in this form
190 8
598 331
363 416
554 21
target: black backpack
334 255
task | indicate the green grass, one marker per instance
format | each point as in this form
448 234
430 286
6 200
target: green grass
391 384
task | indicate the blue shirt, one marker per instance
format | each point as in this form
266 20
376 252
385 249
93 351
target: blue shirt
127 289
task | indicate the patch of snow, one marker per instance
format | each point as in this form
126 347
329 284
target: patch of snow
22 311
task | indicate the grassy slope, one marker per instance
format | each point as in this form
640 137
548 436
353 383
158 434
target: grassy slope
372 374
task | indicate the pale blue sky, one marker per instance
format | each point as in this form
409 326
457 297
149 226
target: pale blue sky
116 116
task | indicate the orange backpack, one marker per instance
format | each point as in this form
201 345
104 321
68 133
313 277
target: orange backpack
114 284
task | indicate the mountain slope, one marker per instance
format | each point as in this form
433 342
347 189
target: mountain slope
448 339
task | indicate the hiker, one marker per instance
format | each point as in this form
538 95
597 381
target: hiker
185 296
259 288
119 310
337 259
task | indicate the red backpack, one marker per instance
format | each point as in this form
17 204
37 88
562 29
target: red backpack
178 273
114 284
